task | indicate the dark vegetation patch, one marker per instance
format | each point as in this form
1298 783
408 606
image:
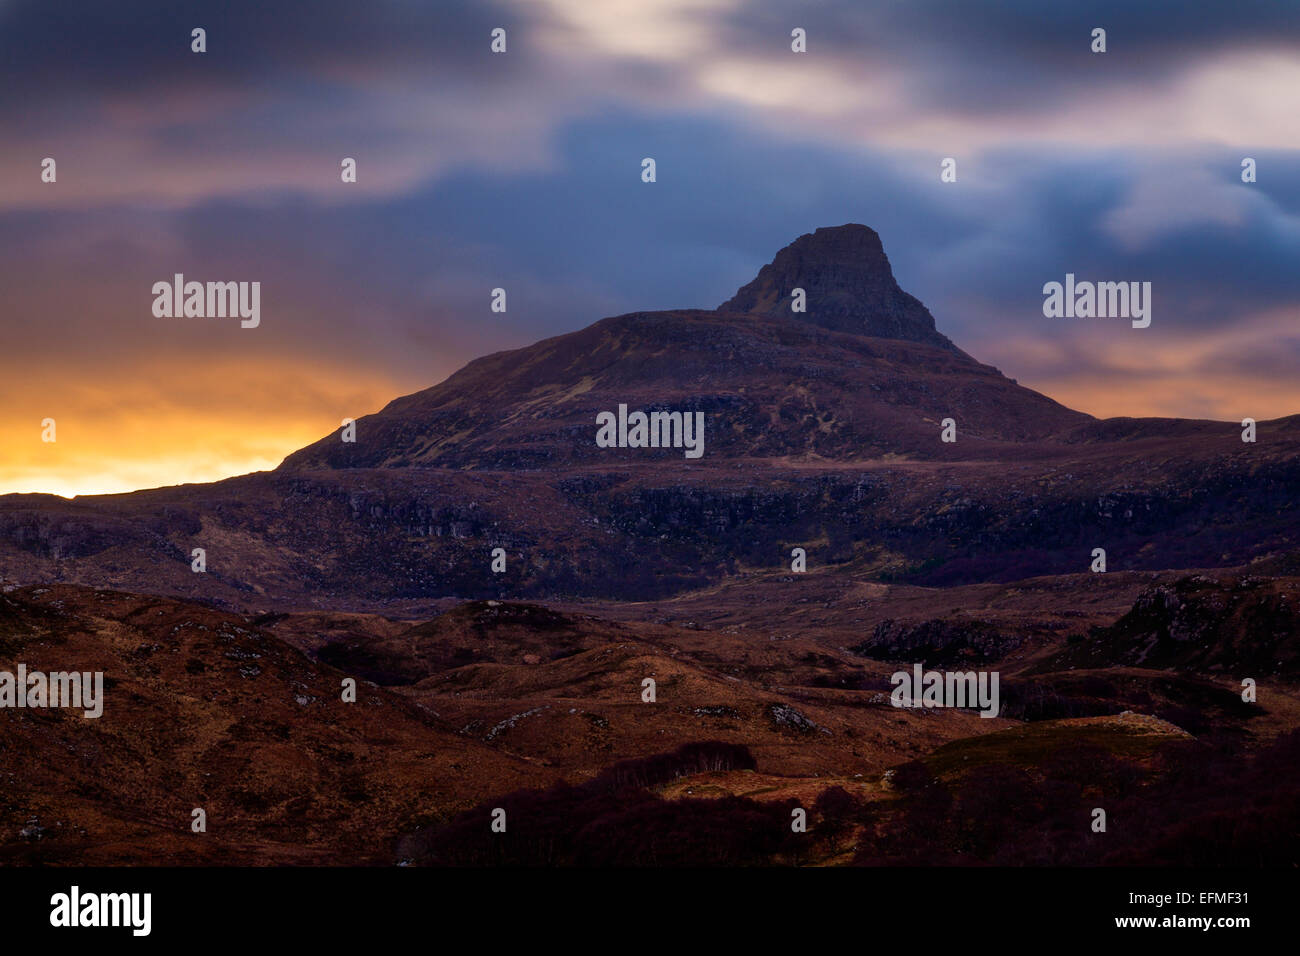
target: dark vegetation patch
1196 705
1029 802
616 820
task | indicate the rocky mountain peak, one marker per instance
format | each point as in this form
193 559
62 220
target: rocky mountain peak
848 284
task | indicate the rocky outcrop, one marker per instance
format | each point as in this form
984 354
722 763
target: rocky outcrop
1238 626
848 284
941 642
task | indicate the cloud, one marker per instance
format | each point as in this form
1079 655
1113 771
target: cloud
1246 370
413 92
1157 204
285 91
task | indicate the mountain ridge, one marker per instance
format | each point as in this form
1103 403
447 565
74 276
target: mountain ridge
818 438
770 386
862 372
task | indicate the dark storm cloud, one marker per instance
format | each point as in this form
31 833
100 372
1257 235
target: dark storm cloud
1011 55
285 90
83 49
145 43
413 86
1227 254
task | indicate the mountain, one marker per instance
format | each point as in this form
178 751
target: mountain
816 435
848 284
861 374
768 388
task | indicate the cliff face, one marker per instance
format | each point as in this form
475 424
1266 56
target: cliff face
343 537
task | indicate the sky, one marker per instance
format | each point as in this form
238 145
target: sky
522 170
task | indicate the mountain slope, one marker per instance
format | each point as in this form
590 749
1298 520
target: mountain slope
862 373
767 387
203 709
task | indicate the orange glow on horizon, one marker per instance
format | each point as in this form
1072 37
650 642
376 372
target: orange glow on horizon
199 425
140 442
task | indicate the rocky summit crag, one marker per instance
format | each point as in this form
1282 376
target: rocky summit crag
849 285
